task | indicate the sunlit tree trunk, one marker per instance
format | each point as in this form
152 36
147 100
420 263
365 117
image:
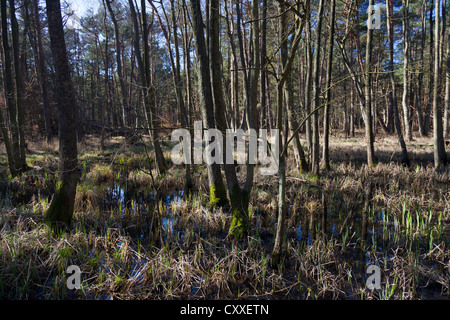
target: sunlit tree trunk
308 83
263 93
287 61
149 94
440 155
406 56
447 86
175 64
392 91
123 91
431 72
420 91
316 94
326 122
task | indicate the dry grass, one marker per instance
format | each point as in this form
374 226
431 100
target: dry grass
138 238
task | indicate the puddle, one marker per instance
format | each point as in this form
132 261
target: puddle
168 224
372 229
125 202
118 197
5 199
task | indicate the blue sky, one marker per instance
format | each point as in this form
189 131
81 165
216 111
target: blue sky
81 6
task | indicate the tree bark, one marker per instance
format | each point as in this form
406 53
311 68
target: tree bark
406 54
176 76
371 160
42 74
392 91
316 94
420 94
217 191
277 251
263 99
20 85
447 87
63 202
326 122
431 73
440 155
149 94
123 91
14 158
308 83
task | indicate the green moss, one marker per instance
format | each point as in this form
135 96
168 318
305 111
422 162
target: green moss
303 167
217 196
60 213
240 221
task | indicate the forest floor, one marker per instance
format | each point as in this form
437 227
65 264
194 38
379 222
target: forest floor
138 236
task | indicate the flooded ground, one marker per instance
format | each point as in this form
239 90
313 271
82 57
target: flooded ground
136 237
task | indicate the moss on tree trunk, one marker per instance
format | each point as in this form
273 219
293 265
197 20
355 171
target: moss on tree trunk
60 213
218 195
240 217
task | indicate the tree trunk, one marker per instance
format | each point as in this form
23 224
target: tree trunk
63 202
392 91
239 197
406 54
6 140
368 98
263 99
440 155
20 85
178 89
326 121
308 83
277 251
14 158
244 64
431 73
316 94
123 102
300 158
419 95
447 87
176 76
42 74
217 191
149 96
254 72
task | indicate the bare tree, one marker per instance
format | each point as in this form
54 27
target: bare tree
277 251
62 206
217 190
19 85
406 55
392 91
447 86
440 155
123 90
42 73
14 154
371 160
326 122
143 61
315 169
